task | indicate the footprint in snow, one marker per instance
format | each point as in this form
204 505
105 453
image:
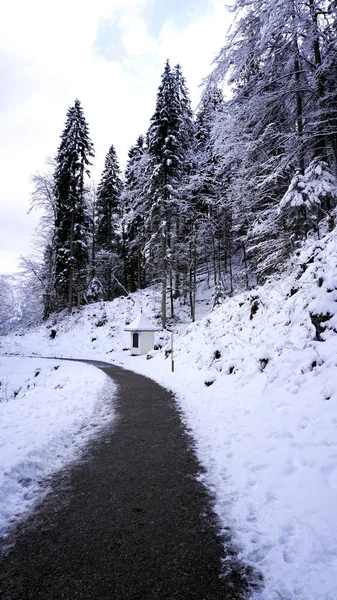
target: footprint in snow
259 467
251 481
281 434
270 497
251 516
289 556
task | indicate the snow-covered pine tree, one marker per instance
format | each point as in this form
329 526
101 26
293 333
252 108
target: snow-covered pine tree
213 233
72 218
109 244
134 222
186 129
167 146
182 274
309 198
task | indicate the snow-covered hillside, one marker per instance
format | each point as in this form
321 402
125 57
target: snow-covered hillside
256 381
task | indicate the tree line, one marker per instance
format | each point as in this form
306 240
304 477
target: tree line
227 193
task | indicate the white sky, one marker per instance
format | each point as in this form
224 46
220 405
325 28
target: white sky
108 53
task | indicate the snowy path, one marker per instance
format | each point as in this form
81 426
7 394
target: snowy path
130 519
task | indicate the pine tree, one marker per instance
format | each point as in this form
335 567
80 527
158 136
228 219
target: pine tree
309 198
183 255
134 202
213 239
167 147
186 129
72 218
109 243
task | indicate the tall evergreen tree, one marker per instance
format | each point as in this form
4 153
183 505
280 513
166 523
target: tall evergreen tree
213 238
134 202
182 274
167 146
109 243
72 218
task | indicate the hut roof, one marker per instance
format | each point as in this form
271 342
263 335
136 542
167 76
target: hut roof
141 323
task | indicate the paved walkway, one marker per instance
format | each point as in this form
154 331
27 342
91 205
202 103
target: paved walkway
128 521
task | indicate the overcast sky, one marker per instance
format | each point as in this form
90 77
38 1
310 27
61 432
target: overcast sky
108 53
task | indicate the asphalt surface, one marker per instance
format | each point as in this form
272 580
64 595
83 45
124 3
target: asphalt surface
130 520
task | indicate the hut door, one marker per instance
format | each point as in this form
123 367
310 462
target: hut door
135 340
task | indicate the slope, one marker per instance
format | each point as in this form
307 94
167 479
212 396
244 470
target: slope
256 381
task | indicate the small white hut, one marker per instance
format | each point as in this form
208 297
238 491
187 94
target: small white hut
142 335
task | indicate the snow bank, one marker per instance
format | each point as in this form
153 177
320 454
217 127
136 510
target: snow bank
256 380
48 411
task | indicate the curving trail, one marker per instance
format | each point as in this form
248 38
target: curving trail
129 521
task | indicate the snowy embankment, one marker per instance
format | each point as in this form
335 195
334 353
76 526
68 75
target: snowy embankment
48 411
256 380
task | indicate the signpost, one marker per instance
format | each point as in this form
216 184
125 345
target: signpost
172 355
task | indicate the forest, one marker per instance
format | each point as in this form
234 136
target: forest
230 191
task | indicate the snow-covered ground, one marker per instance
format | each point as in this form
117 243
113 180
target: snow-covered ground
48 411
256 381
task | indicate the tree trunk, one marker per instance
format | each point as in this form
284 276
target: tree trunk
71 267
230 273
78 291
108 280
194 280
299 114
298 94
190 282
93 246
169 266
164 280
171 294
139 268
214 259
177 284
219 256
246 265
322 142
